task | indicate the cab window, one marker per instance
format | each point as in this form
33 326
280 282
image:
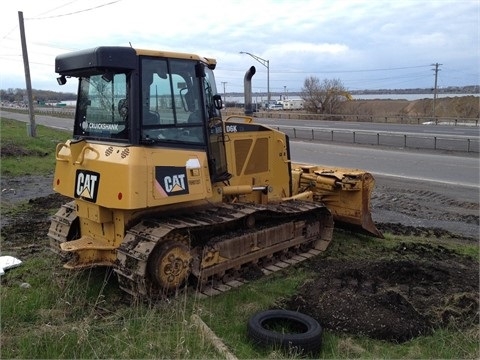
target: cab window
102 110
171 102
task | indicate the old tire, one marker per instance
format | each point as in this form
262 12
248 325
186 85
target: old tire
289 330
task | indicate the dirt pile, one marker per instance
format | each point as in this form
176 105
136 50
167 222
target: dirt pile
456 107
417 289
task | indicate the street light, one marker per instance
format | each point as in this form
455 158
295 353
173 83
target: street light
265 63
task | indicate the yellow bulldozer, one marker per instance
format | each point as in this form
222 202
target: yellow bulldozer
170 194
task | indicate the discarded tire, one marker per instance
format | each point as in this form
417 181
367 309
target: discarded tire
289 330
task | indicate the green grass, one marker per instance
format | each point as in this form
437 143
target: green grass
83 314
80 315
25 155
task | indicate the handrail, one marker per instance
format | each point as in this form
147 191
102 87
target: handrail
81 156
57 152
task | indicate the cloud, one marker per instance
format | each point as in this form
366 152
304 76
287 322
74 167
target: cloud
425 40
309 48
299 38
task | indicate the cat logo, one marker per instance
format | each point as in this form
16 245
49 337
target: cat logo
86 185
171 180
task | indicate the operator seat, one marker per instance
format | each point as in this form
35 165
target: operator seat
150 118
195 117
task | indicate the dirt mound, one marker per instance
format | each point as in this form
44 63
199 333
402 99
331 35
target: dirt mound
463 107
12 150
374 107
422 287
25 233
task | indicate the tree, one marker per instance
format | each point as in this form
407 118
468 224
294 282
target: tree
323 97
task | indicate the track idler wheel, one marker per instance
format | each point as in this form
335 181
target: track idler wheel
170 265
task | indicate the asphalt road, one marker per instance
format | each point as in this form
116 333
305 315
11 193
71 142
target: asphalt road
50 121
427 130
465 138
459 169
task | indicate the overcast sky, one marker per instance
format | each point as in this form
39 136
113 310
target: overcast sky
371 44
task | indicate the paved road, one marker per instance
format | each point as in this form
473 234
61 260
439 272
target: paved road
430 130
460 170
431 167
50 121
433 137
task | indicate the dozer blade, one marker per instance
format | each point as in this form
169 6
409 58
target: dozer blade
345 192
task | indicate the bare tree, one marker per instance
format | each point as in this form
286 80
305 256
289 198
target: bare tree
323 97
311 94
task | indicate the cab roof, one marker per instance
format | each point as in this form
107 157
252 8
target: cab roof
104 58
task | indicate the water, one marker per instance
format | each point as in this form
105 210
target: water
409 97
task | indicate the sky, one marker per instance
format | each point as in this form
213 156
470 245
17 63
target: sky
371 44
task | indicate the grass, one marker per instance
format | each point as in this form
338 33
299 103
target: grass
83 314
24 155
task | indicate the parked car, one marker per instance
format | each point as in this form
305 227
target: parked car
275 107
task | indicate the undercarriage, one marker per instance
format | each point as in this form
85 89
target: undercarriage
213 249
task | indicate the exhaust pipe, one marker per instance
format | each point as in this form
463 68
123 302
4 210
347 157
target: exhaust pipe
247 85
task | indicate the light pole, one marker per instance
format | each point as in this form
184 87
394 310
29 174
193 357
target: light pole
265 63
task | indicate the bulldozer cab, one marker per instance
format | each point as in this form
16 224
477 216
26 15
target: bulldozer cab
147 98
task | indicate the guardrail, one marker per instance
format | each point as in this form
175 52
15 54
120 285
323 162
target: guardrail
63 112
389 139
390 119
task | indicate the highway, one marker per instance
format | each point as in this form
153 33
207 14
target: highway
431 167
462 138
458 169
409 129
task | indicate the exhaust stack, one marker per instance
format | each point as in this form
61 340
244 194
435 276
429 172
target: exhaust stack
247 85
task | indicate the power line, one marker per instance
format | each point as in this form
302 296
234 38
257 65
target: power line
338 71
58 7
74 12
355 71
61 15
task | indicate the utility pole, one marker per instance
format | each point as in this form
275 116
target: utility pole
224 95
32 129
435 88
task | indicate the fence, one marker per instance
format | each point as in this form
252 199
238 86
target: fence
390 119
389 139
64 112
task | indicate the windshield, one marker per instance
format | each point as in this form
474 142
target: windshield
102 107
173 101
